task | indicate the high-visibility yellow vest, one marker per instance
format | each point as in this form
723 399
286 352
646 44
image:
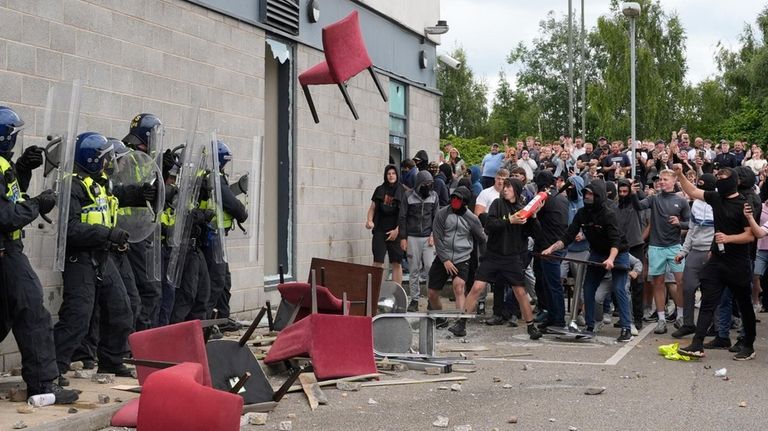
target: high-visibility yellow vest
12 192
103 208
227 223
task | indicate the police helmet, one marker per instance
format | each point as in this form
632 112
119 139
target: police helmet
10 126
91 150
225 154
140 131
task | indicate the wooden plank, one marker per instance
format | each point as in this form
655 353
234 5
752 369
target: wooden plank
128 388
352 278
412 381
314 394
296 388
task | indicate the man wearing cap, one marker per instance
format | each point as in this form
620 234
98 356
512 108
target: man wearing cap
455 231
491 163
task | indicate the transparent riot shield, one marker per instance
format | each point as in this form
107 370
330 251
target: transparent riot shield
132 171
188 182
62 113
245 184
154 253
217 232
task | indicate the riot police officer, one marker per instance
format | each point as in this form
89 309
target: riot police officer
233 209
139 138
90 273
21 294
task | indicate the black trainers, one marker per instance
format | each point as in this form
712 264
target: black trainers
672 317
459 328
736 348
533 332
441 322
63 396
653 317
718 343
626 335
684 330
413 306
495 321
694 350
119 371
745 354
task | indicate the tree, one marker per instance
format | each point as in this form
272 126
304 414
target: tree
512 112
463 110
661 68
543 75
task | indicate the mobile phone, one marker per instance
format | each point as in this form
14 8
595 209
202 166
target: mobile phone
701 154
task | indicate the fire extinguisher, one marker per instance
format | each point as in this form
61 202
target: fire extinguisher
538 201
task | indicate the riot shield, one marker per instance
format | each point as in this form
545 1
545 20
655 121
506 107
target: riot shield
62 112
154 253
217 232
246 186
188 182
131 172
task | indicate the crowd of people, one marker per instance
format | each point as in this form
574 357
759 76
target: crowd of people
656 223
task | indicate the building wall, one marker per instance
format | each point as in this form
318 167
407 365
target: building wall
413 14
163 56
423 122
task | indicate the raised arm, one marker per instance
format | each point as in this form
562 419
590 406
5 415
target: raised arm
691 190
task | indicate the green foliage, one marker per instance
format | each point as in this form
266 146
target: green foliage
512 112
472 150
463 110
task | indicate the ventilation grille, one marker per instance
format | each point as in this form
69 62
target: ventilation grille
283 15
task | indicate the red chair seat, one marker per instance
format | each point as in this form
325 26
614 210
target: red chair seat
175 399
318 74
339 346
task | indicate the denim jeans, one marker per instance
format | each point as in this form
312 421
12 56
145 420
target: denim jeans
592 280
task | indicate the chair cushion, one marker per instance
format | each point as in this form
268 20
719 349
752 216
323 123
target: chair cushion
318 74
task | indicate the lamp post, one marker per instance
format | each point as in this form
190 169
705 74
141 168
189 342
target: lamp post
632 10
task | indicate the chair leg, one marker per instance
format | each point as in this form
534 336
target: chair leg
378 84
344 92
310 103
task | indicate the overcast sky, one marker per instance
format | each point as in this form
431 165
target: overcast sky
489 29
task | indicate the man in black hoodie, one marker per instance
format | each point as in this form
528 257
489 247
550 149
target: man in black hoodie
553 217
505 256
383 218
607 246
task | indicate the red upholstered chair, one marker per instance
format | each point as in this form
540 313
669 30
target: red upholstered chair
300 295
345 57
180 342
339 346
176 398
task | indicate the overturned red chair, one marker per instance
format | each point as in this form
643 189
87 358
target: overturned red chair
175 398
338 345
345 57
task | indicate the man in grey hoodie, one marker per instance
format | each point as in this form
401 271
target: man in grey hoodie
415 226
455 230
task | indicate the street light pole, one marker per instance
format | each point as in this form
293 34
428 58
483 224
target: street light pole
583 78
570 68
632 11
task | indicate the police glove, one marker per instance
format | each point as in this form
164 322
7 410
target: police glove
168 160
30 159
45 201
118 236
149 191
200 216
205 190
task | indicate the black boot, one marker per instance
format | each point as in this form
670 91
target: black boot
459 328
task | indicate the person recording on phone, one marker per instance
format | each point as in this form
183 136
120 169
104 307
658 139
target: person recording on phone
615 163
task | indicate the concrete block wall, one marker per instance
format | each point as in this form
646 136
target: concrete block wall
423 122
135 56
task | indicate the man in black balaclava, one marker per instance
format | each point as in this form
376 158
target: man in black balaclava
455 231
422 160
729 265
608 245
632 222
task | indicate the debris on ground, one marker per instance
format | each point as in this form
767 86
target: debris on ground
594 390
348 386
371 401
512 420
75 366
497 380
103 398
552 420
103 378
441 422
526 367
25 409
456 387
507 386
83 374
72 410
20 425
253 419
743 404
462 428
722 372
573 429
285 426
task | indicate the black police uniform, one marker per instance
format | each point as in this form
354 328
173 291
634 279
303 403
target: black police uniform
21 294
90 277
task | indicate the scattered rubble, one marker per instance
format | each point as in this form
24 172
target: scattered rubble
371 401
348 386
594 390
441 422
743 404
25 409
76 366
722 372
103 398
497 380
512 420
462 428
456 387
103 378
72 410
285 426
20 425
507 386
83 374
